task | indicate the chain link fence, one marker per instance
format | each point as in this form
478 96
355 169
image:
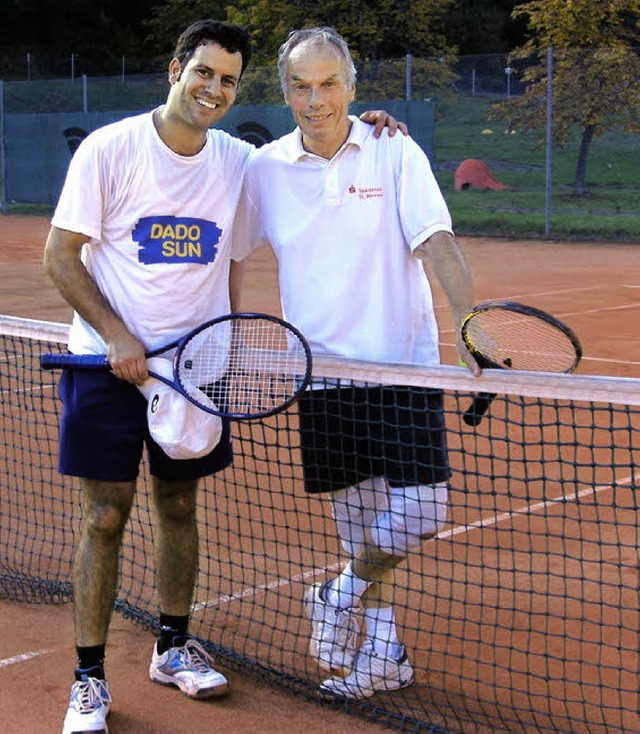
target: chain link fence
544 146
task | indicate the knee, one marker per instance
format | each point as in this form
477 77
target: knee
415 513
354 509
106 507
106 520
177 503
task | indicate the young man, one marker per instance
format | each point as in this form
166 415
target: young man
351 222
136 192
139 194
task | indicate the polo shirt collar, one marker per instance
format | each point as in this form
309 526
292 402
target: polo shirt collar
295 152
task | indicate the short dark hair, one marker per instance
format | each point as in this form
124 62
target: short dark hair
231 37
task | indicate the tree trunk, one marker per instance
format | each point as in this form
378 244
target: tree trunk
580 185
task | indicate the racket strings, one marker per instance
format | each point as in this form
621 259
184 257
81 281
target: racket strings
521 342
244 367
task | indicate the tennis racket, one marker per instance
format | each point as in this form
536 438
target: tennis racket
243 365
510 335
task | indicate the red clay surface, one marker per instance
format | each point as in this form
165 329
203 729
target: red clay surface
593 287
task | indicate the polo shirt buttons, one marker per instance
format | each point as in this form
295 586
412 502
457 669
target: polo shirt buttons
332 193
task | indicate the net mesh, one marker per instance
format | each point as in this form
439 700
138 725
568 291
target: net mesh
520 616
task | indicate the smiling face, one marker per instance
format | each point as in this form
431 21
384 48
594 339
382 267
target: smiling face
318 91
203 91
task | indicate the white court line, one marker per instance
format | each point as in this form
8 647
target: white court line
584 359
23 657
555 292
253 590
483 523
530 509
576 313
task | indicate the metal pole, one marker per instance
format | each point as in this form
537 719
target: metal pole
73 68
85 99
549 145
508 71
123 57
408 91
3 167
473 82
28 67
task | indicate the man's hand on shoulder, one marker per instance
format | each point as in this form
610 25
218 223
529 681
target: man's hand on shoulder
382 119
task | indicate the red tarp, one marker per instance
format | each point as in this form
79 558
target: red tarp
474 173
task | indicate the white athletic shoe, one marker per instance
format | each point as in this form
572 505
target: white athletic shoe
371 673
88 707
190 668
334 632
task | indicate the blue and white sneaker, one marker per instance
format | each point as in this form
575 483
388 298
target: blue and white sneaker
189 668
88 707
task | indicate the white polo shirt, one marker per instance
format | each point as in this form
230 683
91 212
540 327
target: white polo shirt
343 231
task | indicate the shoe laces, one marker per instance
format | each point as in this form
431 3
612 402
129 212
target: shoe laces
195 657
90 694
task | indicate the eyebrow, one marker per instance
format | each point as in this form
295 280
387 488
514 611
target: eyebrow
296 78
211 70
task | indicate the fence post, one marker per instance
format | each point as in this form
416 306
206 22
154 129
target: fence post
549 145
85 98
408 91
3 167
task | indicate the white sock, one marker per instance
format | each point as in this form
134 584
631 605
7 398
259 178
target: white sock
381 631
346 589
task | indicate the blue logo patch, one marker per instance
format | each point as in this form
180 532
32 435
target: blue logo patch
176 240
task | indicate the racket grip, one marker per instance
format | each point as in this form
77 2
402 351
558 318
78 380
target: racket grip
481 402
81 361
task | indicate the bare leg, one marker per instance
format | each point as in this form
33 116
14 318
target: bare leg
105 510
176 544
380 593
372 564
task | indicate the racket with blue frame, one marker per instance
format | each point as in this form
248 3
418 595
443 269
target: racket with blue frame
240 366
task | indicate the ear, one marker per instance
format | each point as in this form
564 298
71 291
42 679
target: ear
174 71
352 93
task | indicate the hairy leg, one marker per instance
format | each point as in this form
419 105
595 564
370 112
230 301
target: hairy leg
105 510
176 543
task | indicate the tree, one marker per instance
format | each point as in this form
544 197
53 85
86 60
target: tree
595 73
171 18
374 30
479 27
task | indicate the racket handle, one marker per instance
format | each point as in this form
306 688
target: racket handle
481 402
81 361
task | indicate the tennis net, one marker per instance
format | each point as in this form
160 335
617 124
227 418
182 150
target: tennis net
520 616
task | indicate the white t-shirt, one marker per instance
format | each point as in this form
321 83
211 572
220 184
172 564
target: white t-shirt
343 232
158 227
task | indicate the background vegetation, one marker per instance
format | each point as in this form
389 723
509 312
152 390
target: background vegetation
460 53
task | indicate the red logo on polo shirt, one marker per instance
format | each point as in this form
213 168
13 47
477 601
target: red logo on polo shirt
352 189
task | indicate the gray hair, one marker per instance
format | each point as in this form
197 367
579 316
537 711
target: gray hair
323 36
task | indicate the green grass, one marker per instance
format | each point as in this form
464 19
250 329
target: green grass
609 210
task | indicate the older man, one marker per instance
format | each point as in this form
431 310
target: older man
352 221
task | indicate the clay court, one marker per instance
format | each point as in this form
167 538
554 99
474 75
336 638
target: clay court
594 287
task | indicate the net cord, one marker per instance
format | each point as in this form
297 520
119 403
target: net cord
616 390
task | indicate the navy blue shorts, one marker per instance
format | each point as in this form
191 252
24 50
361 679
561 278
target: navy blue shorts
103 430
353 433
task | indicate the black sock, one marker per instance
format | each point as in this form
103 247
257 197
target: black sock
173 631
90 662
